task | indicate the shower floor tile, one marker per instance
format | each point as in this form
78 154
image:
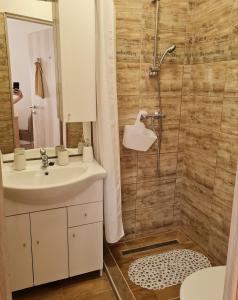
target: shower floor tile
120 264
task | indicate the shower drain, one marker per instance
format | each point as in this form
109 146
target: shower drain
149 247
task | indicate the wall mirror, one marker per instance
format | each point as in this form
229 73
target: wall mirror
29 97
33 82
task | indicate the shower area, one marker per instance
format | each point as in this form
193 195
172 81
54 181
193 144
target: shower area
179 193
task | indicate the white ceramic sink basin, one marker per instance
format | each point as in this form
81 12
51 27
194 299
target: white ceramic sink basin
51 185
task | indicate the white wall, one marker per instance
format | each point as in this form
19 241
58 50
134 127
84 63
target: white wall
30 8
18 32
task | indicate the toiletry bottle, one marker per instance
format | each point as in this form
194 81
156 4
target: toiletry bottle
87 152
81 145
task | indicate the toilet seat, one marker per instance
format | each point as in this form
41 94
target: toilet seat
206 284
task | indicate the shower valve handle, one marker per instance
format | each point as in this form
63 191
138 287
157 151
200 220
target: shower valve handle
156 116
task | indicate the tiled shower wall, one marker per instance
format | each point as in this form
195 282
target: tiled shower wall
209 124
149 200
199 94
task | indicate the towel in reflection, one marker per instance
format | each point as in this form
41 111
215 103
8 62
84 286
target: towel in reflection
39 84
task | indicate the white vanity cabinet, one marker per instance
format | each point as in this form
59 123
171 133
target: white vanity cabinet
51 242
49 245
19 251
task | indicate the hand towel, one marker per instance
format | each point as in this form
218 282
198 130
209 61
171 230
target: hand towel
39 85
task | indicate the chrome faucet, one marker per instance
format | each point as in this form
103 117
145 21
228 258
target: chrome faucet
44 158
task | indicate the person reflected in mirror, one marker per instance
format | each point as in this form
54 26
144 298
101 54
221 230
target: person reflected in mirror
17 96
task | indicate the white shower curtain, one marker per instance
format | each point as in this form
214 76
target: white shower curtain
106 134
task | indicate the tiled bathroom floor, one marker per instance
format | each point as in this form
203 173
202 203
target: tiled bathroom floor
123 262
93 287
86 287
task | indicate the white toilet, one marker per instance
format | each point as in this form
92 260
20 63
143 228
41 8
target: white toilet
206 284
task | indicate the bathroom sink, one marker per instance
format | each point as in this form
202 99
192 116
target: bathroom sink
51 185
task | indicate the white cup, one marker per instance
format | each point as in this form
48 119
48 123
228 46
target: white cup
87 154
19 161
63 157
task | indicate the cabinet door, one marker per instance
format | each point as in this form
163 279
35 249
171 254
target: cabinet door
19 251
85 248
49 245
77 59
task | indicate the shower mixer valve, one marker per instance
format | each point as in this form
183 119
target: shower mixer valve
154 70
156 116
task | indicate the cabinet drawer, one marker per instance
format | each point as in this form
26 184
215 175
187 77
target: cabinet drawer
85 214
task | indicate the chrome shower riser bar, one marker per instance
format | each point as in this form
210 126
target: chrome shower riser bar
154 69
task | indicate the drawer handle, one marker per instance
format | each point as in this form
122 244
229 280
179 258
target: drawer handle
73 235
38 242
24 245
85 214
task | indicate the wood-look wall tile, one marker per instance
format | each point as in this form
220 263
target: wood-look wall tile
202 111
128 18
180 165
128 78
224 186
199 170
229 122
218 246
154 193
173 15
128 49
187 87
171 80
128 197
209 79
155 217
128 169
220 220
169 139
74 134
6 122
192 191
195 224
179 191
147 166
234 30
208 111
231 85
227 154
203 142
129 223
128 108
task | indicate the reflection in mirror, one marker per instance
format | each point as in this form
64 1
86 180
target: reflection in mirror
34 97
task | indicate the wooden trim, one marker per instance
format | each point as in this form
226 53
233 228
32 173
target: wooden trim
231 282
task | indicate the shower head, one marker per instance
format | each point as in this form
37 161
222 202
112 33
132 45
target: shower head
171 49
168 50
